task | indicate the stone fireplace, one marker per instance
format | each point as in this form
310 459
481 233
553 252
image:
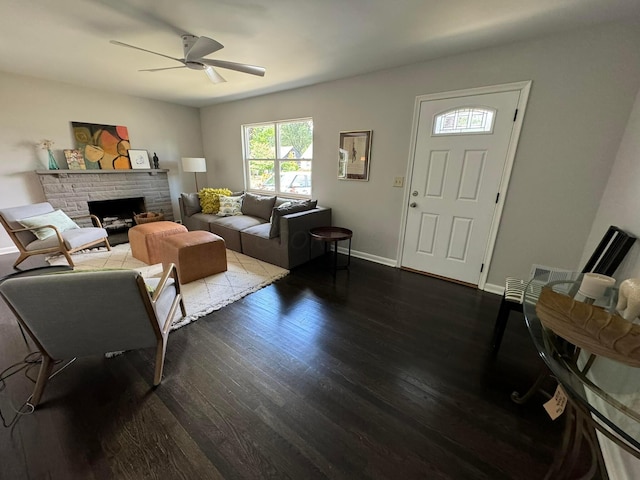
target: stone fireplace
73 190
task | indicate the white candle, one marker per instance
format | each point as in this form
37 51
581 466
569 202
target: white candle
594 285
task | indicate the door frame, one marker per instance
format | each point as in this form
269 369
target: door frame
524 88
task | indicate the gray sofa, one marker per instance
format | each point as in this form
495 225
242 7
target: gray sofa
266 230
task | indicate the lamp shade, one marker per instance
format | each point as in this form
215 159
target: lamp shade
193 164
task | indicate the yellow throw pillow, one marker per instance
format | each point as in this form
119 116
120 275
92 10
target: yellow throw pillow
210 198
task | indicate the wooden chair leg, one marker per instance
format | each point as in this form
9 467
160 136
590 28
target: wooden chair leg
68 257
182 307
21 258
108 245
45 371
161 349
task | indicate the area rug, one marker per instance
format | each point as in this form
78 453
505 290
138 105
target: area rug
244 275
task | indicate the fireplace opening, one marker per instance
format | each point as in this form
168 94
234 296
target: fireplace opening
116 216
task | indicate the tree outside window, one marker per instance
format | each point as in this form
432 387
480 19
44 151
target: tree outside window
278 157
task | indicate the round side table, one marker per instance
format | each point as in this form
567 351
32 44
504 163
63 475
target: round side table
333 235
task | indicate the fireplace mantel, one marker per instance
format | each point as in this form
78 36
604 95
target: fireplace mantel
65 173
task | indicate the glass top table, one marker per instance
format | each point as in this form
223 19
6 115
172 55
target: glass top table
605 390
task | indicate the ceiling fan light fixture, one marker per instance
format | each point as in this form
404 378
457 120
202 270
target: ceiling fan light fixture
214 76
195 65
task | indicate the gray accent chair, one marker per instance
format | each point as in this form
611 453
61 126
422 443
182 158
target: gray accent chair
81 313
65 242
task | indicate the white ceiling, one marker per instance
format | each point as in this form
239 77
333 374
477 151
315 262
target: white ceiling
299 42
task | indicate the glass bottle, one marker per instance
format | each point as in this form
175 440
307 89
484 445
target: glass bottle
52 162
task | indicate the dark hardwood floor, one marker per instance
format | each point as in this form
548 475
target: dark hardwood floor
382 374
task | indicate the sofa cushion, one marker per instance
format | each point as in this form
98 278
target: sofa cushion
229 228
261 230
258 205
209 198
191 203
293 206
73 238
230 206
57 218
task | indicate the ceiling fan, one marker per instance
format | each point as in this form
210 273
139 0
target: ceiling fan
195 48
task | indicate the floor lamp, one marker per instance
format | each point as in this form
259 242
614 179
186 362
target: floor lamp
195 165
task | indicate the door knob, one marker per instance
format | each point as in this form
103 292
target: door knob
413 204
414 193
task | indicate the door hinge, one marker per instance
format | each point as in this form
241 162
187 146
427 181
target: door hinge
481 268
515 115
497 197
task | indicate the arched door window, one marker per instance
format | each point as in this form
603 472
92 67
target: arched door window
464 120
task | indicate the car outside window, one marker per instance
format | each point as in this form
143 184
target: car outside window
278 157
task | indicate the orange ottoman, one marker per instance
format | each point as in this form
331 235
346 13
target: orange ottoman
196 254
145 239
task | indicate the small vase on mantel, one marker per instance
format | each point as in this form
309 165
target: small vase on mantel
52 161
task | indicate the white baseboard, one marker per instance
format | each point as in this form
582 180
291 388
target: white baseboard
7 250
389 262
491 288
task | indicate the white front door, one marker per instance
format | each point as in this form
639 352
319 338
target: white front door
461 147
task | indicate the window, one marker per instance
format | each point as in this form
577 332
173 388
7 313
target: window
278 157
464 120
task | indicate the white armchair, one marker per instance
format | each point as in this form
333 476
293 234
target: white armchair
47 237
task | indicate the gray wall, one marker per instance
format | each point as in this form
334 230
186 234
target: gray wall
619 205
584 85
33 109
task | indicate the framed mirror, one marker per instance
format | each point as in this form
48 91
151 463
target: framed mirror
354 155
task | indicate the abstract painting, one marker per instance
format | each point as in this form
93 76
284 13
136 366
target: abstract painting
75 159
103 146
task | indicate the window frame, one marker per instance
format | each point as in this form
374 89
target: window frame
436 123
276 160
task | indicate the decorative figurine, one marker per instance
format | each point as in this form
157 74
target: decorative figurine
155 161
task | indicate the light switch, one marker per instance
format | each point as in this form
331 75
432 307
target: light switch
398 181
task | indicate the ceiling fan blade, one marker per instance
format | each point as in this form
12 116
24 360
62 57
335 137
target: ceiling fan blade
160 69
203 47
214 76
239 67
120 44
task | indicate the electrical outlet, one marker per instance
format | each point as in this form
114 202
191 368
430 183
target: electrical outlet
398 181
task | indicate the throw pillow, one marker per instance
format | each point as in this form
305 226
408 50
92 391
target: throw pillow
56 218
209 198
191 203
258 205
280 201
294 206
230 206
